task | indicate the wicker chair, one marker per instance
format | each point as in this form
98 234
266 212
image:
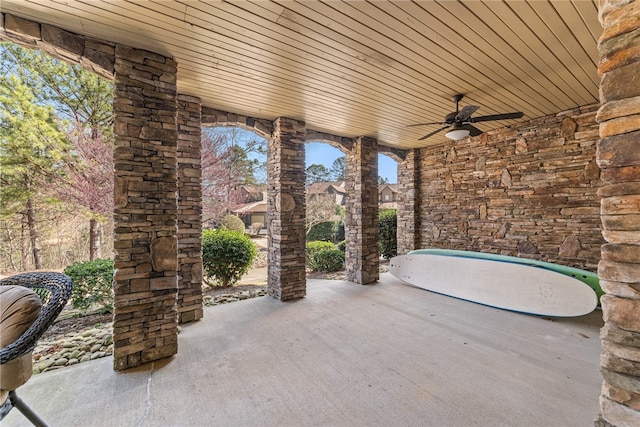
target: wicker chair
54 290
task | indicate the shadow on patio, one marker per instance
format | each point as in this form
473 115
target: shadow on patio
346 355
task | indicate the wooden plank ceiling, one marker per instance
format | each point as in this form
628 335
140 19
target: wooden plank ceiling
355 68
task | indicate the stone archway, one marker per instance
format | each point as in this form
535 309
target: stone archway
285 198
361 213
408 197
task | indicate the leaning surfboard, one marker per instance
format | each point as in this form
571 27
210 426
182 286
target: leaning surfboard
587 277
503 285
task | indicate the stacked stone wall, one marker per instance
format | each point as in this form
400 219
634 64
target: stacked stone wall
409 202
619 158
145 319
361 214
189 209
213 117
286 210
529 190
145 315
95 55
342 143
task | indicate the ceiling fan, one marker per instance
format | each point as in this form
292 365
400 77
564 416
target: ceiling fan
459 121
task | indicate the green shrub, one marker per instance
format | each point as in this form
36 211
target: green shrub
314 247
92 284
328 260
325 231
342 246
387 235
232 222
226 256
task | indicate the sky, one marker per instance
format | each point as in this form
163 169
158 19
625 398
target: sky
318 153
325 154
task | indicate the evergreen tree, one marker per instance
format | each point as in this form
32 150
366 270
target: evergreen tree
339 169
317 173
32 149
80 104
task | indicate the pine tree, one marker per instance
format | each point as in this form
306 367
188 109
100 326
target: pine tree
80 105
32 148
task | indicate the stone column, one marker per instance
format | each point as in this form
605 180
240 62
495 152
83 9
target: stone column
618 156
189 210
145 324
409 203
361 216
286 210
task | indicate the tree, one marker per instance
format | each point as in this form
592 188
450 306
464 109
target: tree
82 102
76 94
218 193
339 169
32 147
321 208
382 180
229 161
87 180
317 173
238 163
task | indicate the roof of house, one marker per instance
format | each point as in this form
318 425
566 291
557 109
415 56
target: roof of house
392 187
253 207
327 187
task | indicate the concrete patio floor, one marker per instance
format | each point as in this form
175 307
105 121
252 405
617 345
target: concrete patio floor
346 355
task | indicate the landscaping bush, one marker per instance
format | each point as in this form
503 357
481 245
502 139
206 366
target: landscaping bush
232 222
92 284
325 231
226 256
328 260
314 247
342 246
387 235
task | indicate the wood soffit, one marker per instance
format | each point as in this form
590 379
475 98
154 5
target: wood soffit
356 68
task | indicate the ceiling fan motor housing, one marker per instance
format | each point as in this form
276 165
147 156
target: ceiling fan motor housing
451 117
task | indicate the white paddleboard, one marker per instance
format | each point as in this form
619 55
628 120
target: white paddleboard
498 284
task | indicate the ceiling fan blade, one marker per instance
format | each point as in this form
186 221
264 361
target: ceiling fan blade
432 133
425 124
466 112
504 116
473 131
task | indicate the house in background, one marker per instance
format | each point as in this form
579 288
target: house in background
388 196
338 189
252 193
255 211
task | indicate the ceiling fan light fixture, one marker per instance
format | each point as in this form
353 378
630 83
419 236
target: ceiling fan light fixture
457 134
